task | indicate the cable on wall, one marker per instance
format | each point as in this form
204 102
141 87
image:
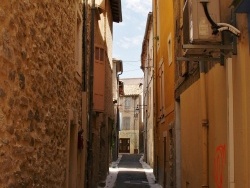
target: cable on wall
218 27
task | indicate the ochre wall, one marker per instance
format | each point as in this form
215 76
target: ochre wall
241 99
218 125
191 130
164 171
191 146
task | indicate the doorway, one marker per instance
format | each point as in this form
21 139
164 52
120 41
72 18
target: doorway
165 162
124 145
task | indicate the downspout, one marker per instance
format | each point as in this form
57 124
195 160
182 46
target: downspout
154 89
90 104
118 114
84 46
135 141
84 96
204 123
178 143
146 111
230 117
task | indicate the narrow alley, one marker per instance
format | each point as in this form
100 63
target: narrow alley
130 171
124 93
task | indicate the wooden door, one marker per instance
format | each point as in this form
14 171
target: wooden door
165 163
124 145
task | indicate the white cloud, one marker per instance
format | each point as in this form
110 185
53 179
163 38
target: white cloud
139 6
129 42
141 26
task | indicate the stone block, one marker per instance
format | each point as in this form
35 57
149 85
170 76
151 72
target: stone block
12 75
2 93
24 102
21 80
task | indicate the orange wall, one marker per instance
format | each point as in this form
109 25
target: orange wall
164 117
191 130
241 89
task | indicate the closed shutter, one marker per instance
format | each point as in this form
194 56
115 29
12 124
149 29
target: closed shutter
99 80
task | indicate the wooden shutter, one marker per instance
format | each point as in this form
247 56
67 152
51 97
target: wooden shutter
99 80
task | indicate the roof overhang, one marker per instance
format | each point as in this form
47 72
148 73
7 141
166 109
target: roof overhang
144 43
242 6
116 9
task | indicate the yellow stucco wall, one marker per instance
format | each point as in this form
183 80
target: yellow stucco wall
191 130
164 67
191 137
241 99
217 130
220 119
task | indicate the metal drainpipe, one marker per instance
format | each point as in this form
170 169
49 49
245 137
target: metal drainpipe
134 124
230 116
90 104
154 90
145 111
84 46
118 115
204 123
84 82
178 143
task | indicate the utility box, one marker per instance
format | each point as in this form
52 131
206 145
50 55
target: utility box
196 27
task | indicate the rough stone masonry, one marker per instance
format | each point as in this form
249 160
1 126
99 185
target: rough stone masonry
37 87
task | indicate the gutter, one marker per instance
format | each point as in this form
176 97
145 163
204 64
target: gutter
84 46
90 104
84 96
204 124
230 119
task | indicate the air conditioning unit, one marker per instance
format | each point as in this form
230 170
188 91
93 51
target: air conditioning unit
196 27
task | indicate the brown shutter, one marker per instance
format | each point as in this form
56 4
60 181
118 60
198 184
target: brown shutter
99 80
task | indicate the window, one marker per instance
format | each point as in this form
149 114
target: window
161 86
99 54
99 79
126 123
127 103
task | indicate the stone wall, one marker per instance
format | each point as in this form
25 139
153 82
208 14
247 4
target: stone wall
37 87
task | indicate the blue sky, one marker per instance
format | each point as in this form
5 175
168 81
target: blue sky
128 36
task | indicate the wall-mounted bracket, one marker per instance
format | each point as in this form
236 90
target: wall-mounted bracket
206 47
197 59
204 52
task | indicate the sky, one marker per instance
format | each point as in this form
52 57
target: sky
128 36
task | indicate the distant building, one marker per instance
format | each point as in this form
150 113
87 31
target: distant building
117 91
130 116
148 89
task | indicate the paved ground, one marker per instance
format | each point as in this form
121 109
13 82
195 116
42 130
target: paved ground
131 173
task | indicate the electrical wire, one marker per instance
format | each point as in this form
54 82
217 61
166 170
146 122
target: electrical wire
131 61
131 70
219 27
228 27
214 25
